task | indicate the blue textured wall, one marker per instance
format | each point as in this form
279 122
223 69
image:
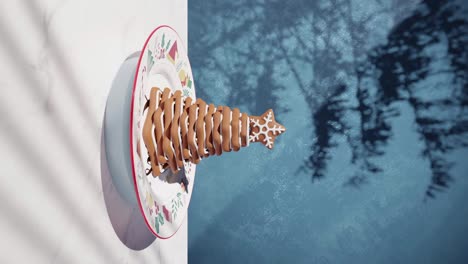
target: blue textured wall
373 166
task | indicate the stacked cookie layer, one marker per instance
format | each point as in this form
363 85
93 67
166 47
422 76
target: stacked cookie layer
177 130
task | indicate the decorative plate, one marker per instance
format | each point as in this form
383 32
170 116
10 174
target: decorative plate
163 200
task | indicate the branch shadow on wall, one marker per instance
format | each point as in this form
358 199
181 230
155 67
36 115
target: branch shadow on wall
238 58
424 64
258 50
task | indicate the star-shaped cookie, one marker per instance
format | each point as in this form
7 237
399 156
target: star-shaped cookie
265 129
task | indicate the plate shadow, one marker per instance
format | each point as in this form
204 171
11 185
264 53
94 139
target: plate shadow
126 219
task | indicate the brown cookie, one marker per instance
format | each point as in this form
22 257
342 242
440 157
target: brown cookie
191 134
169 154
156 103
200 127
171 161
216 134
184 128
244 129
265 129
226 129
147 131
175 136
159 126
168 109
209 130
168 115
235 129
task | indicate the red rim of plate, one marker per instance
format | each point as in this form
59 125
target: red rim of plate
131 131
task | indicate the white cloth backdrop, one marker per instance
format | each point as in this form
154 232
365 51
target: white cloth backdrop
57 63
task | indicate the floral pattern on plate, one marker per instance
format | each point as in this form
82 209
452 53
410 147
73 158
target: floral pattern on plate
163 205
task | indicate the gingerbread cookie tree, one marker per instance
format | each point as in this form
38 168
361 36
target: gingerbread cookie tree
177 130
